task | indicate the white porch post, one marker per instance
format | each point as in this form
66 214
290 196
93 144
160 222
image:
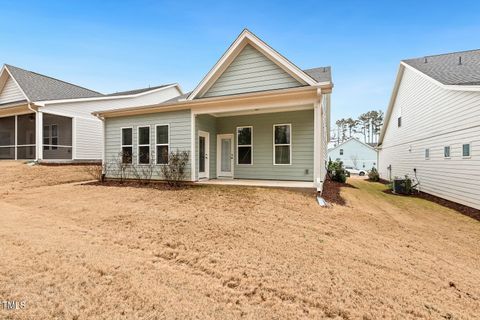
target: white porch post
193 158
16 137
317 142
39 134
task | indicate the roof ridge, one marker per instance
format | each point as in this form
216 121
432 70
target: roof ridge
42 75
149 87
441 54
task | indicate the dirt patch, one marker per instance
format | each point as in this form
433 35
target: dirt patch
332 192
158 185
220 252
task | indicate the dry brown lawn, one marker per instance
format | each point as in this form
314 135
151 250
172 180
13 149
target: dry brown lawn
93 252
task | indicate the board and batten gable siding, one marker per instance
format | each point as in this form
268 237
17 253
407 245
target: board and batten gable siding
263 167
251 71
180 134
434 117
207 123
11 92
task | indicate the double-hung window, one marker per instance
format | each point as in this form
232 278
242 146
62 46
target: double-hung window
282 144
446 152
341 152
127 147
245 145
162 143
50 137
466 150
144 145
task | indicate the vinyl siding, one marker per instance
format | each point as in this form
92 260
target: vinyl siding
11 92
433 117
251 71
180 137
263 168
88 139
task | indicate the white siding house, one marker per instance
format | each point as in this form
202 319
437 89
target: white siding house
45 119
432 126
354 153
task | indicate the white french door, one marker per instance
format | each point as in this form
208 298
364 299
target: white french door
225 155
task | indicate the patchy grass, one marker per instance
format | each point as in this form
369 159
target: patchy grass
81 252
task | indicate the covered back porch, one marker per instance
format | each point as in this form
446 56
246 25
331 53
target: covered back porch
26 134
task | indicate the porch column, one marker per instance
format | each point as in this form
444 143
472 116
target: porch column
39 135
317 142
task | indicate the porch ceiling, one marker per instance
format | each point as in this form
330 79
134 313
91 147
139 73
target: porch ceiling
241 112
6 111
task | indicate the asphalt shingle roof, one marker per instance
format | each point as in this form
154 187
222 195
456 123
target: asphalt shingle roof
136 91
456 68
320 74
38 87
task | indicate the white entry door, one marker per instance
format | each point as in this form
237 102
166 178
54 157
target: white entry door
203 148
225 155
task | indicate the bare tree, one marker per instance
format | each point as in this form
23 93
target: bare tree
354 159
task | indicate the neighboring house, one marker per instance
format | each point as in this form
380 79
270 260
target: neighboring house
46 119
432 126
255 115
355 153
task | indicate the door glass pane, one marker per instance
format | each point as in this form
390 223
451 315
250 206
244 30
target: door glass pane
226 154
201 150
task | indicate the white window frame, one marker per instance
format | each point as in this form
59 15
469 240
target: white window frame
245 145
125 145
282 144
427 153
469 150
162 144
449 152
149 145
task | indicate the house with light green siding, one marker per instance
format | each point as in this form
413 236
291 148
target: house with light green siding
254 116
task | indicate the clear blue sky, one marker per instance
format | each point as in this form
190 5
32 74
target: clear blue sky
111 46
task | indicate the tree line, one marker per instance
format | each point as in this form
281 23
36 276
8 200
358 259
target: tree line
367 125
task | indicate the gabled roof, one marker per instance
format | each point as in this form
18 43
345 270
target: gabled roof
451 71
137 91
368 145
456 68
315 77
38 87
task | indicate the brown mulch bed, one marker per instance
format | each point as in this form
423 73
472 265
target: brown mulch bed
465 210
160 185
331 191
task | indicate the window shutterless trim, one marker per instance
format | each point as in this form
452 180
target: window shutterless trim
149 145
126 145
469 150
162 144
245 145
449 152
282 144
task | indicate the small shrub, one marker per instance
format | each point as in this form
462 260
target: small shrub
373 175
95 171
174 172
336 171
